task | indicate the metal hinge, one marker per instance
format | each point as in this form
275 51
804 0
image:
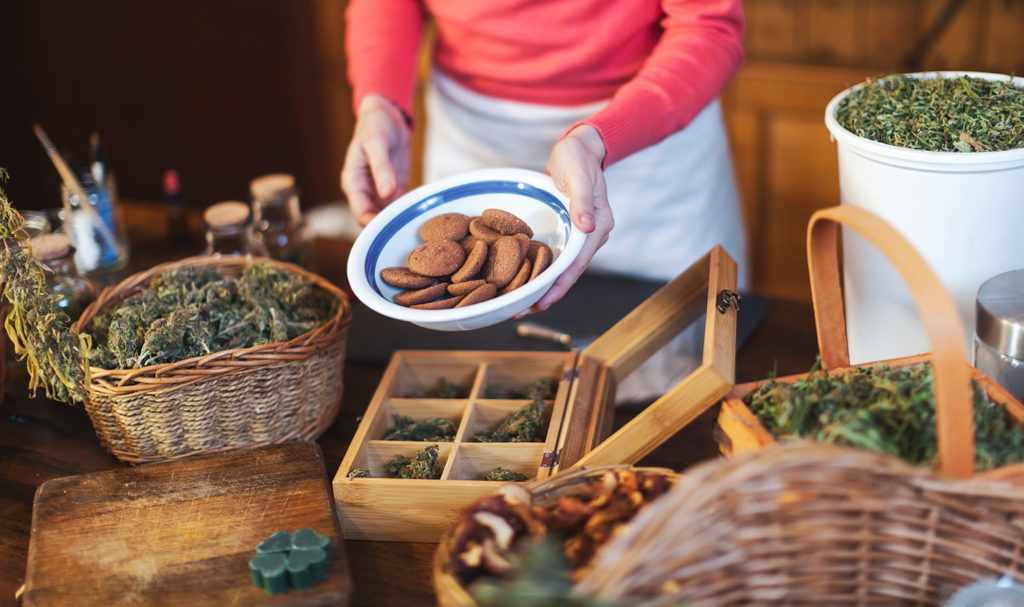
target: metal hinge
728 298
550 460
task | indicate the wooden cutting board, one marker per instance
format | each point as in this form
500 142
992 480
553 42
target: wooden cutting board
181 532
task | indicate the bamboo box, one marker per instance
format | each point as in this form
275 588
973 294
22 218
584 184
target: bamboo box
576 421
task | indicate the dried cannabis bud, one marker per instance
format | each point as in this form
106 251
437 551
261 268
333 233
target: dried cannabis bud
888 409
958 114
424 465
503 474
544 388
359 473
433 429
447 389
55 356
192 311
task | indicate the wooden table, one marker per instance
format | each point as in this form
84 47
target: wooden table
42 440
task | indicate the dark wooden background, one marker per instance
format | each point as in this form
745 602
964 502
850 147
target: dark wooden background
225 90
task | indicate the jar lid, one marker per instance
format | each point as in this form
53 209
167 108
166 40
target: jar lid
270 185
226 214
50 246
1000 313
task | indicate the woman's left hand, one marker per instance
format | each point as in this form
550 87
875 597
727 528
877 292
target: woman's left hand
575 167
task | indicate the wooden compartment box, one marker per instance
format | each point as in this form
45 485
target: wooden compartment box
576 419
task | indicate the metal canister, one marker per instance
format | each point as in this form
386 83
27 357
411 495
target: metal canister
999 331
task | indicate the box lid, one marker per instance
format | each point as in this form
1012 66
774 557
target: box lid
707 289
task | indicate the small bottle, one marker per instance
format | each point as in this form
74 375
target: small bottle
228 229
74 290
278 218
177 222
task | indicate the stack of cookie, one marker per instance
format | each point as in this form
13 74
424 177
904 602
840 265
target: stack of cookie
466 260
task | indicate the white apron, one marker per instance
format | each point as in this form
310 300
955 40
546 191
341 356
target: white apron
672 201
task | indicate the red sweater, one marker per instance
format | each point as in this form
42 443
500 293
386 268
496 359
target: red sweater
659 61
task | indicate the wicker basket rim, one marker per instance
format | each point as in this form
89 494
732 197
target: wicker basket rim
223 361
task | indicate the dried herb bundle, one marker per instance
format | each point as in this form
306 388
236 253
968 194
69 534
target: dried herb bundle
194 310
888 409
433 429
359 473
544 388
55 356
423 465
956 114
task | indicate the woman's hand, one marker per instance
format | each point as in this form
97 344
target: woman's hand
376 167
575 167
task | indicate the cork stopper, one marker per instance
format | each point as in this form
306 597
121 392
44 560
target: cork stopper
271 185
50 246
226 214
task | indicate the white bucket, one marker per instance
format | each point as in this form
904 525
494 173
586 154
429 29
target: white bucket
964 212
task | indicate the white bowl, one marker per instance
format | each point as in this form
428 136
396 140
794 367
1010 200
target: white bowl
394 233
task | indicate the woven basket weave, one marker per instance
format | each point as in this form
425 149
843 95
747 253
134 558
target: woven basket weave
258 395
813 524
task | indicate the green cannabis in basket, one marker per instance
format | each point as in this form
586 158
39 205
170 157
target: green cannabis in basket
55 356
940 114
884 408
192 311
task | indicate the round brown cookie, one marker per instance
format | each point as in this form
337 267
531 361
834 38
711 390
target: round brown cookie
521 277
411 298
436 258
474 261
465 288
541 258
468 242
482 293
404 278
440 304
505 222
479 229
503 261
524 242
447 226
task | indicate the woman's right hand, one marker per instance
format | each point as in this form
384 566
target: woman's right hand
376 167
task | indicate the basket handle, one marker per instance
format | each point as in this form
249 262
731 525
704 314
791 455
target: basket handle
954 411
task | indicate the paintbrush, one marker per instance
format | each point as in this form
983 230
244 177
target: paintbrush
72 183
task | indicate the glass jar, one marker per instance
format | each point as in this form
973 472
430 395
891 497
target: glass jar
229 231
999 333
75 292
278 219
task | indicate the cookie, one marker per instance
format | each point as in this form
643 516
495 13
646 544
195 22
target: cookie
447 226
474 261
436 258
541 256
468 242
521 277
440 304
404 278
503 261
524 242
465 288
482 231
505 222
419 296
482 293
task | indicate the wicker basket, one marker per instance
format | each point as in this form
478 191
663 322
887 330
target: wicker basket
246 396
543 492
813 524
740 430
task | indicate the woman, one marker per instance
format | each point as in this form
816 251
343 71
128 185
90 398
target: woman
615 99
